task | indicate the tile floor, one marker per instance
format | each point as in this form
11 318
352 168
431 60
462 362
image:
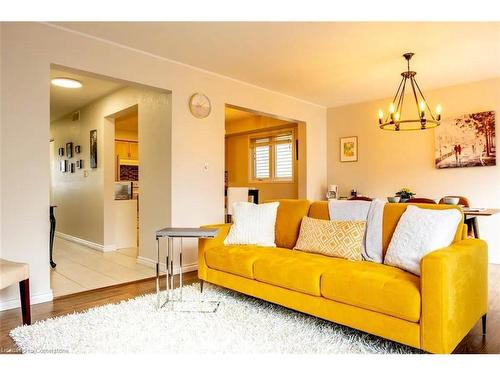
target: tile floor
81 268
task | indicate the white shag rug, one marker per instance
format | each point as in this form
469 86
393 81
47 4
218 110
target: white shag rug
240 325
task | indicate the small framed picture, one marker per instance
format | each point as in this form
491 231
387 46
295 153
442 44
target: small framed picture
77 149
79 164
63 165
61 151
72 167
348 149
69 149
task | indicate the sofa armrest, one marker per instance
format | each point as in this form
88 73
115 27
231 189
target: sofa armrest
454 287
207 243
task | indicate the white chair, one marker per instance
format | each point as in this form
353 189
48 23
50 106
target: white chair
235 194
11 273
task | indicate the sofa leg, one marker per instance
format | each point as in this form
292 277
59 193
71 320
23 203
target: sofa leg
201 286
483 319
24 289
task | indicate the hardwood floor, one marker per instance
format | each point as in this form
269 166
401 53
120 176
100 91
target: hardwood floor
474 342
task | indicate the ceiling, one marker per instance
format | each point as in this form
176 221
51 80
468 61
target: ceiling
330 63
233 114
64 101
128 122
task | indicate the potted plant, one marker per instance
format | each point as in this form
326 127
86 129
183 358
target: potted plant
405 194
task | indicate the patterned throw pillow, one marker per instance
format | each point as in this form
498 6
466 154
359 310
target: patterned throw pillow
342 239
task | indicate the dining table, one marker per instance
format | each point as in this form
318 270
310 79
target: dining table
471 215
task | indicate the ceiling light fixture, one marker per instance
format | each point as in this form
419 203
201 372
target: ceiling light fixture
68 83
424 117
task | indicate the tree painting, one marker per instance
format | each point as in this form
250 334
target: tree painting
466 141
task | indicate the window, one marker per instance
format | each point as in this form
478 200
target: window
272 157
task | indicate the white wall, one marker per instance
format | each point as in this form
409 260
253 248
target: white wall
390 160
197 194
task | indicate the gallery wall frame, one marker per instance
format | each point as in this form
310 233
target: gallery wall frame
93 148
69 150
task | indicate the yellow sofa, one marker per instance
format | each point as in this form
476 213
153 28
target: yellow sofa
432 312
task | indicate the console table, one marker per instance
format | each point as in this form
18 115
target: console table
170 234
52 232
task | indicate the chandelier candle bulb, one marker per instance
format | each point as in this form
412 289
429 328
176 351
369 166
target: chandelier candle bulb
422 109
438 112
380 116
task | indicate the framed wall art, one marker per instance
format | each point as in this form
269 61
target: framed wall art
466 141
348 149
93 148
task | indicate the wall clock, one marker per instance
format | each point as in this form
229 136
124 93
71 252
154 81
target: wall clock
199 105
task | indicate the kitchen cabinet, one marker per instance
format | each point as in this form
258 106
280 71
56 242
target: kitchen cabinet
127 149
134 150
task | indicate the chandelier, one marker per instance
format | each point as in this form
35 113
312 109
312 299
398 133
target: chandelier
422 119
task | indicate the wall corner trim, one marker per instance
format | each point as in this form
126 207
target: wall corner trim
81 241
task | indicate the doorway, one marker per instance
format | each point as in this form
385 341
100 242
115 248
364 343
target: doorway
264 154
96 169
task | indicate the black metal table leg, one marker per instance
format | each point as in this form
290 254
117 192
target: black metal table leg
472 225
52 232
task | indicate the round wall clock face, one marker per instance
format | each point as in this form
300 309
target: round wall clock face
199 105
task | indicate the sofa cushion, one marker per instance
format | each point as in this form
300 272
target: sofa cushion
319 210
293 270
290 214
237 259
375 287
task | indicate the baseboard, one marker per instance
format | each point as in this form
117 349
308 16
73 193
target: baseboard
15 303
80 241
152 264
494 260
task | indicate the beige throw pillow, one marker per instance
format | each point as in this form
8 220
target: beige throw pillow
342 239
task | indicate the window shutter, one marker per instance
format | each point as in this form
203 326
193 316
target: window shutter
261 158
283 156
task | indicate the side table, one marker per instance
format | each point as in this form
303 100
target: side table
170 234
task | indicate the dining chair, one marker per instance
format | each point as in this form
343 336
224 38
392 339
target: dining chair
360 198
14 272
421 200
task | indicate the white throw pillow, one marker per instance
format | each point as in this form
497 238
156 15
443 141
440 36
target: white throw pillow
253 224
419 232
